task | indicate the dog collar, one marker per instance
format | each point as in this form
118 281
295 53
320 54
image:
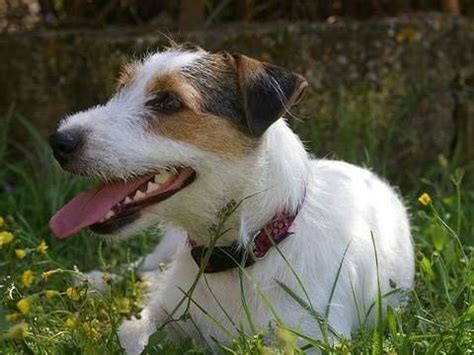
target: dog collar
229 257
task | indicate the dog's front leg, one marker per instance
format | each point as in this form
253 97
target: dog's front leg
166 302
134 333
164 251
149 267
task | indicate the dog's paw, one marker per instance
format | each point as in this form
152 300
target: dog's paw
97 280
133 335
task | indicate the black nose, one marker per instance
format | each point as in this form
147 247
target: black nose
64 144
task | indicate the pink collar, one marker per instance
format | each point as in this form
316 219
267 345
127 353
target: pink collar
228 257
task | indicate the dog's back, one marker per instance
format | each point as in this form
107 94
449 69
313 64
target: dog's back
352 209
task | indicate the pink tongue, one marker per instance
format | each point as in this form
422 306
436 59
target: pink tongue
88 208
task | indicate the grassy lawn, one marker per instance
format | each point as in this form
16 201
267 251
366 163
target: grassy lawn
43 311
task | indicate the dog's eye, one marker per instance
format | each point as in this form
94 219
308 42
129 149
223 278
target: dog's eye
165 102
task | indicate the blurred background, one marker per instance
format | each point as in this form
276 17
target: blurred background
391 81
18 15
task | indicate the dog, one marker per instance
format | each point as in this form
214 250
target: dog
257 233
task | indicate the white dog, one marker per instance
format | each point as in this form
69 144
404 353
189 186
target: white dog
187 133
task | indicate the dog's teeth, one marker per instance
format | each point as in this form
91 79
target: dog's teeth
109 214
138 195
127 200
151 187
162 177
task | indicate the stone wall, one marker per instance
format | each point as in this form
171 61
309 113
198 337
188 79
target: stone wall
397 93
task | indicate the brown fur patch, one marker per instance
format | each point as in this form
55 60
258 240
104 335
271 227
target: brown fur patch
207 132
174 82
128 73
247 68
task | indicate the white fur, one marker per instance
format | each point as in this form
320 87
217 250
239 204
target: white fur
340 207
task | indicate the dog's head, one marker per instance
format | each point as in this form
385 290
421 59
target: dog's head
177 136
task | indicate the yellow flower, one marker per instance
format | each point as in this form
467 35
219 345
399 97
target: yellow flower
72 293
42 247
2 221
20 253
51 293
12 317
17 332
90 330
27 278
425 199
47 274
70 322
23 305
123 304
5 238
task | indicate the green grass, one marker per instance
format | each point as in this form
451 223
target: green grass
438 319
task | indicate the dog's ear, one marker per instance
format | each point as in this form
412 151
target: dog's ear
267 91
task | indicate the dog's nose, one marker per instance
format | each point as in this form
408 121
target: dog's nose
64 144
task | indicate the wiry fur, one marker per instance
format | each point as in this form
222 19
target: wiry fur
340 207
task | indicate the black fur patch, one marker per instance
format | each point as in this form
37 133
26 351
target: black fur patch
268 96
254 104
216 81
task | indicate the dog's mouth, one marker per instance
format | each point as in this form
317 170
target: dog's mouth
112 206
